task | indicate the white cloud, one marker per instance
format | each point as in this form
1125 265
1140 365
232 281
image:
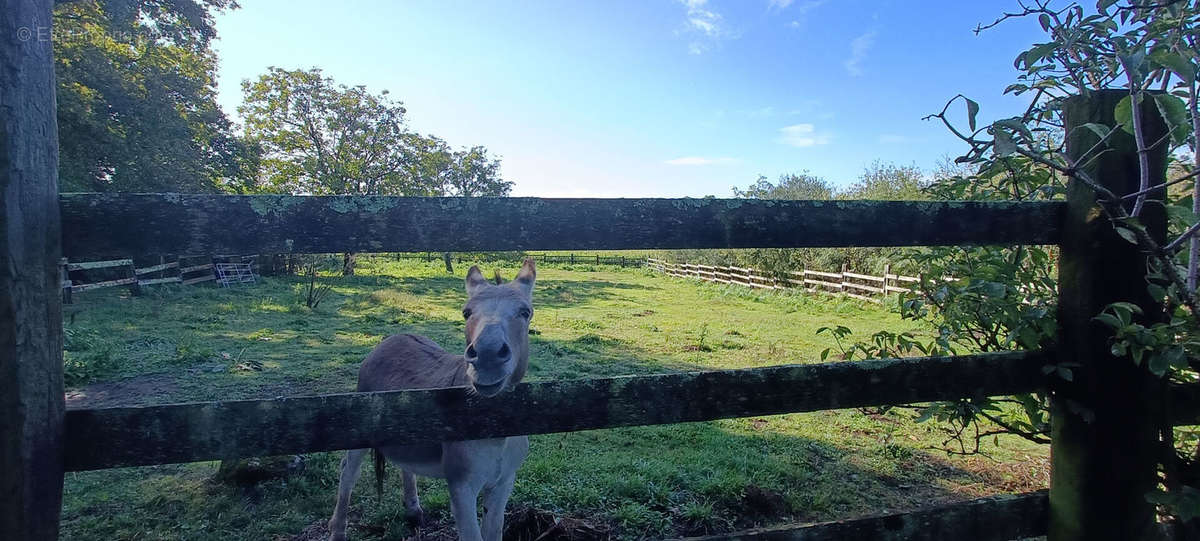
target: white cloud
800 11
701 160
858 52
802 135
704 22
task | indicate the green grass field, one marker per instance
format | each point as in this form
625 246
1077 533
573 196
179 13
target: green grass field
204 343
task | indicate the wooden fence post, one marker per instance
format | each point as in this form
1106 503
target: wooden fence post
1105 422
135 289
65 272
887 269
31 380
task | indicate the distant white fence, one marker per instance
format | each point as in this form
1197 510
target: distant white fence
852 284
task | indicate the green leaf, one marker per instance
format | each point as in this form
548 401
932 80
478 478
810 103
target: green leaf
1126 307
1110 320
1158 364
1045 21
1038 52
1174 112
1127 234
994 289
972 111
1099 129
1123 114
1176 63
1135 63
1004 143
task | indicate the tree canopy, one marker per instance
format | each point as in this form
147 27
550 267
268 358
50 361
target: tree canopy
320 137
136 97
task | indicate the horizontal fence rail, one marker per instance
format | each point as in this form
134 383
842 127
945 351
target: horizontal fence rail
997 518
124 225
763 280
134 436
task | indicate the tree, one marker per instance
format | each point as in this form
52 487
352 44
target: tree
136 95
800 185
888 181
475 174
318 137
1005 297
321 138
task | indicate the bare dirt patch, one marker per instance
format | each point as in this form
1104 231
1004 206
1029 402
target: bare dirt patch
135 391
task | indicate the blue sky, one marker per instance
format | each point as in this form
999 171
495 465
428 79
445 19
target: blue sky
652 98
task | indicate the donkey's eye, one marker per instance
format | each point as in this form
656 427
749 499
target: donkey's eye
525 313
466 313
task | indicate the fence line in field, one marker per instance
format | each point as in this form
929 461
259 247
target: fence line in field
136 277
821 281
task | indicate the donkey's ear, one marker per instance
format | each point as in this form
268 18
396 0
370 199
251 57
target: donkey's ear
525 278
475 281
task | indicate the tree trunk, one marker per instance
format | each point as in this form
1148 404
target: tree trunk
348 260
449 265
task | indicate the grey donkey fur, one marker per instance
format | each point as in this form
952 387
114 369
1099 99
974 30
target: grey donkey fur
497 331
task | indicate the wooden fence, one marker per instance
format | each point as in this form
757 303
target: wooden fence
860 286
184 270
1105 443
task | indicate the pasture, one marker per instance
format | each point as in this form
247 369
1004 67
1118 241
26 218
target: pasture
191 343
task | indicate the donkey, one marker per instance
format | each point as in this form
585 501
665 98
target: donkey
497 327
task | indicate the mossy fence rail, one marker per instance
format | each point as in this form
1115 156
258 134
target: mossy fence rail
1105 422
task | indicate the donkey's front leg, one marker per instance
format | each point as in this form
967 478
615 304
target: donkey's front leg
351 466
464 497
494 502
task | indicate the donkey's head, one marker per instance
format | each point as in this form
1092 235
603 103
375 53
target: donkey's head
498 329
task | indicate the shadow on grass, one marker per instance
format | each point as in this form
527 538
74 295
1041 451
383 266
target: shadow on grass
628 483
684 479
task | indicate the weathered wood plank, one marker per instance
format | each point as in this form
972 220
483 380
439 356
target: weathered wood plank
155 281
836 275
863 276
872 289
150 224
194 268
1106 419
112 437
100 285
156 268
90 265
998 518
199 279
822 283
31 339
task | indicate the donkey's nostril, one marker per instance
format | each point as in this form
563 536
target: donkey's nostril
471 353
503 352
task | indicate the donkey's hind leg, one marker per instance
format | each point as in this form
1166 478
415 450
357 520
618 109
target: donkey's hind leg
413 514
351 466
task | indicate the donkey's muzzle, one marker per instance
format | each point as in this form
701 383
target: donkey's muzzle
488 355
